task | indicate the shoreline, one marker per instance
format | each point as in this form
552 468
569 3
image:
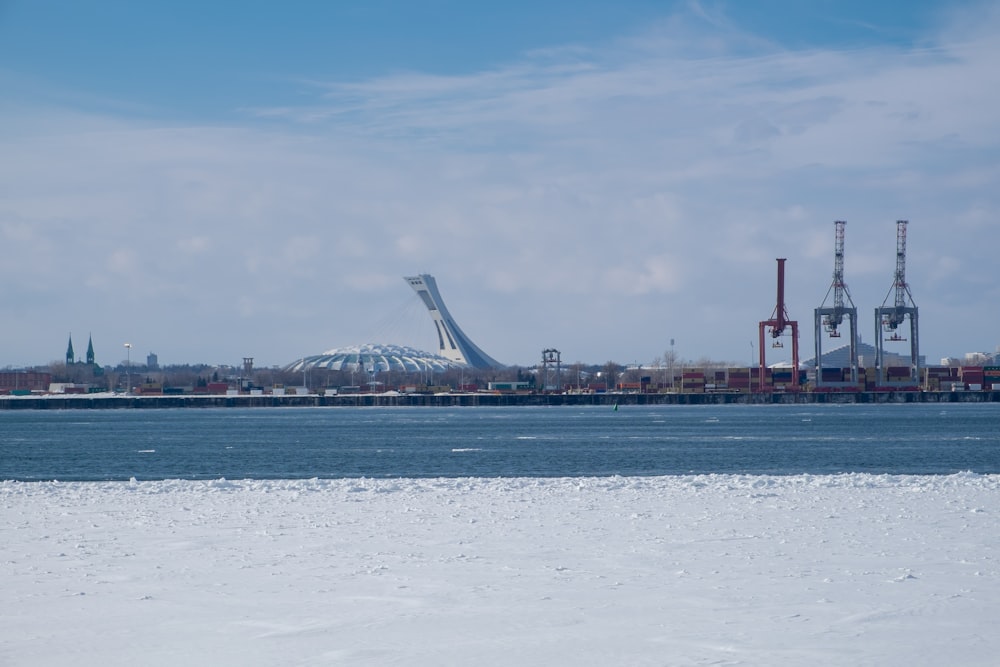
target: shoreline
110 402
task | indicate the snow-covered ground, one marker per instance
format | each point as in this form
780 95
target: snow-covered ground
722 570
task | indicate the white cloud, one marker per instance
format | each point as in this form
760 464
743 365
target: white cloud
644 187
194 245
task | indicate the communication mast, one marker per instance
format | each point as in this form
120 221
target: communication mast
830 318
888 318
551 357
779 322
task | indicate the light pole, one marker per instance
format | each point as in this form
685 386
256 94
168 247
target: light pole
128 368
671 365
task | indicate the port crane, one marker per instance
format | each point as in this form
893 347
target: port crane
889 318
778 323
830 318
551 357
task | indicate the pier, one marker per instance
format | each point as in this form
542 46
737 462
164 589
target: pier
104 402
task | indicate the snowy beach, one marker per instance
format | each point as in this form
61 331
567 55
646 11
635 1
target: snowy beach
847 569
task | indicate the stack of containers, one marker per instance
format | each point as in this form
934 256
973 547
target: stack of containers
781 378
738 379
940 377
972 377
693 381
991 378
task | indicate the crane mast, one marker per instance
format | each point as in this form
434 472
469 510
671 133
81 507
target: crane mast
779 318
838 286
903 296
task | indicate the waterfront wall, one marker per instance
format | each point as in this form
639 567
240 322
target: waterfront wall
82 402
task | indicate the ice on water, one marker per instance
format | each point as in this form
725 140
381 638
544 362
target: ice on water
702 569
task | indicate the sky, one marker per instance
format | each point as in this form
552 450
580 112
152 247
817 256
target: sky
210 181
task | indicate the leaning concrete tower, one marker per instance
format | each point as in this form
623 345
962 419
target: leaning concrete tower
452 342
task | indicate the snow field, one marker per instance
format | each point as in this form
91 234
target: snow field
714 569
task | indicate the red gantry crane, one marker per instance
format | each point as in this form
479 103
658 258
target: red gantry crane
778 323
830 318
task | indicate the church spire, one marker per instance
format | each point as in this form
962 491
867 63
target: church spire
90 350
70 357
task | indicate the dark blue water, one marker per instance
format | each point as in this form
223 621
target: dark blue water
297 443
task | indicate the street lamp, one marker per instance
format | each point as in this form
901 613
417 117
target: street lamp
671 365
128 367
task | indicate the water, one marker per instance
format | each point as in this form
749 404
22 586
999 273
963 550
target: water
298 443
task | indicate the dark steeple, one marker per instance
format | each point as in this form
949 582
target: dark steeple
70 357
90 350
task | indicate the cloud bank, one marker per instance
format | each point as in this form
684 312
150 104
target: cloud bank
601 199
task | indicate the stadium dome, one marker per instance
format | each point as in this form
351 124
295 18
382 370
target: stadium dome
375 357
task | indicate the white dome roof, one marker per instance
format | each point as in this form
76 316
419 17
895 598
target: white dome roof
374 356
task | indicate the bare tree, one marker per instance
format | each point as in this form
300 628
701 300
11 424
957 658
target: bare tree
610 371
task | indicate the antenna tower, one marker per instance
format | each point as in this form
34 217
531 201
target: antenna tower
829 319
888 318
551 357
779 322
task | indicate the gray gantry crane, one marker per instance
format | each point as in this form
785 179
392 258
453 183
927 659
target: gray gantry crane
889 318
829 318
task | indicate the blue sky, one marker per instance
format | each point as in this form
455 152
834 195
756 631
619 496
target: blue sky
217 180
